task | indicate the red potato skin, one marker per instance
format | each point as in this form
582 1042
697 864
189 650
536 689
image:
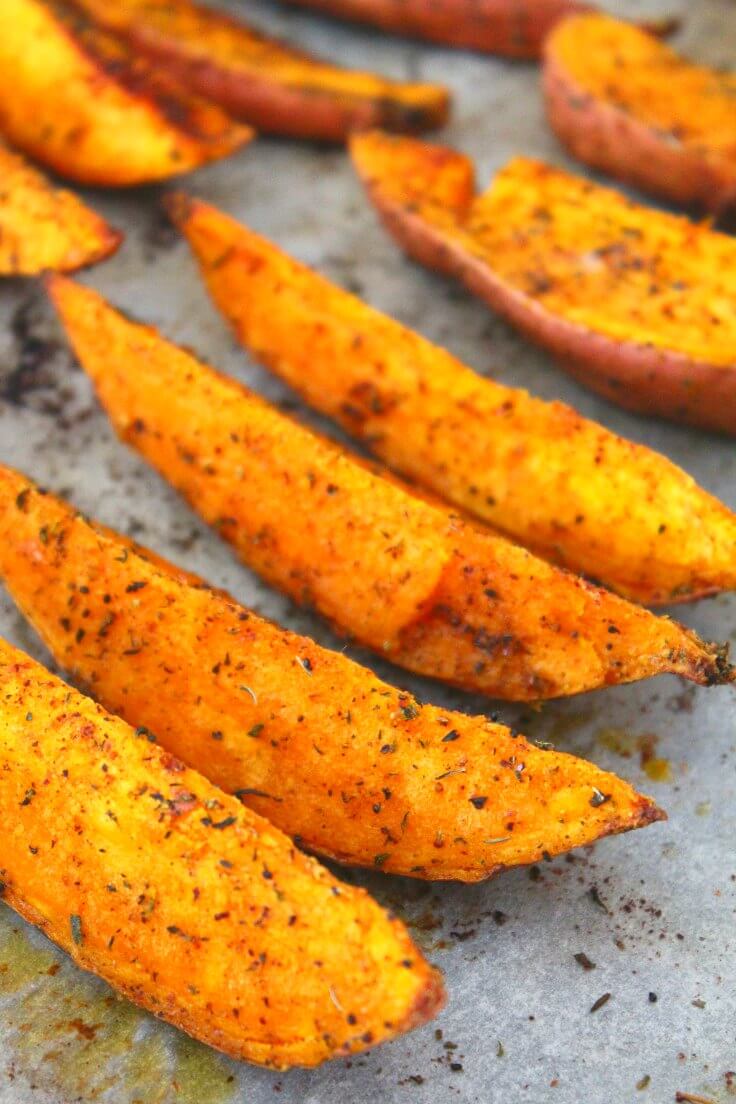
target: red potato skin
405 578
290 112
653 382
283 93
312 765
510 28
607 138
656 383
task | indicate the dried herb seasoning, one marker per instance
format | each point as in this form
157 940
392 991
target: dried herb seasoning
604 999
75 926
597 900
219 824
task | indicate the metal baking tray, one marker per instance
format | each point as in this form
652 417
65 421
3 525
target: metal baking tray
654 910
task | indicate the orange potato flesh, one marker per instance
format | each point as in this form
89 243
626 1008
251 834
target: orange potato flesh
608 264
80 101
634 302
185 901
262 81
623 102
562 485
44 228
387 568
512 28
328 752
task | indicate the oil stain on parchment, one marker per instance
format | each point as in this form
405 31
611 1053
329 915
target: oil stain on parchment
628 745
66 1032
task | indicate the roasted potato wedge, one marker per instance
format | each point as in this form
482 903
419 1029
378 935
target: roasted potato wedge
512 28
563 486
43 228
637 303
182 899
623 102
336 758
79 100
263 82
397 573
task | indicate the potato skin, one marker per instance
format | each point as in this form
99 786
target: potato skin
563 486
185 901
43 228
426 199
263 82
396 572
78 100
333 756
512 28
655 382
662 149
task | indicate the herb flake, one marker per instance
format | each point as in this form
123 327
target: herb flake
604 999
75 925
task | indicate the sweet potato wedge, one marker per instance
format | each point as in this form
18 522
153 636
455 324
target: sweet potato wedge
635 302
44 228
623 102
512 28
397 573
181 898
77 99
333 756
263 82
562 485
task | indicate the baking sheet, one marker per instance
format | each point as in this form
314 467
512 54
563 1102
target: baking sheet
653 910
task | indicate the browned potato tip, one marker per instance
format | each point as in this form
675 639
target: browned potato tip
397 573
